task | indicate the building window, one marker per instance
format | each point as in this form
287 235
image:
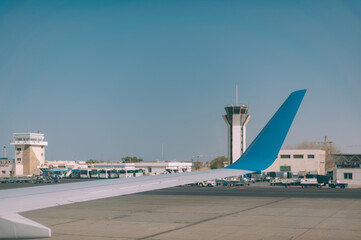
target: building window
298 156
285 168
285 156
347 175
3 171
18 149
310 156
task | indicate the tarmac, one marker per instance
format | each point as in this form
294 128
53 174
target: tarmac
255 212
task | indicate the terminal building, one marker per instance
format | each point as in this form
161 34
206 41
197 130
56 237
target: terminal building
299 162
29 153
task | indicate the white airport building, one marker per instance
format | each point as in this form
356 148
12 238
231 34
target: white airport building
299 161
29 153
347 168
6 167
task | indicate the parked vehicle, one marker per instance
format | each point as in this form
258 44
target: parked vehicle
309 182
337 184
104 173
238 183
114 173
94 173
275 182
4 180
210 183
84 173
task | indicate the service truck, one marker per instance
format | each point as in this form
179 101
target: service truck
309 182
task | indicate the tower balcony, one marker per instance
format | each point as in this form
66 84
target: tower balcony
28 142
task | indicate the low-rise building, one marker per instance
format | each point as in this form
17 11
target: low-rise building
6 167
299 161
347 168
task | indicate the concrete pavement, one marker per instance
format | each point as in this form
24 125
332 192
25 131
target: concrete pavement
164 215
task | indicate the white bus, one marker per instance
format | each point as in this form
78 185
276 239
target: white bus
94 173
114 173
104 173
84 173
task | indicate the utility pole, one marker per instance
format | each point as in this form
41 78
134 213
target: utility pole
162 152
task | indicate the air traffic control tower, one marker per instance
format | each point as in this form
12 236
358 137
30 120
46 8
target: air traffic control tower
236 119
29 152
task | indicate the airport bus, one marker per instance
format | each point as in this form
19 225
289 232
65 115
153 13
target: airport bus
84 173
114 173
122 173
75 173
104 173
138 172
94 173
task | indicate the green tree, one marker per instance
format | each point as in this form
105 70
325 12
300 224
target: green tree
91 161
218 162
197 166
129 159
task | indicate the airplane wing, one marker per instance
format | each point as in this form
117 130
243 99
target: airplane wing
259 155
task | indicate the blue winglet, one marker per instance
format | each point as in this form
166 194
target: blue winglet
264 149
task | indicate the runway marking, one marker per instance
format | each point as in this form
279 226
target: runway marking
149 184
170 181
106 190
212 218
129 187
85 236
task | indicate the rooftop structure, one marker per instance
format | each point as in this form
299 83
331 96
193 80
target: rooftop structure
344 160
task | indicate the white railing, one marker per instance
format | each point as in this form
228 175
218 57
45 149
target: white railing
40 143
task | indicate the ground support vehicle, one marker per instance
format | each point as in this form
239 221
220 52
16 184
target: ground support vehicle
275 182
5 180
210 183
337 184
309 182
237 183
221 183
22 179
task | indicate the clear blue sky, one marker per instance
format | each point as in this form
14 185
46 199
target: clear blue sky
107 79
